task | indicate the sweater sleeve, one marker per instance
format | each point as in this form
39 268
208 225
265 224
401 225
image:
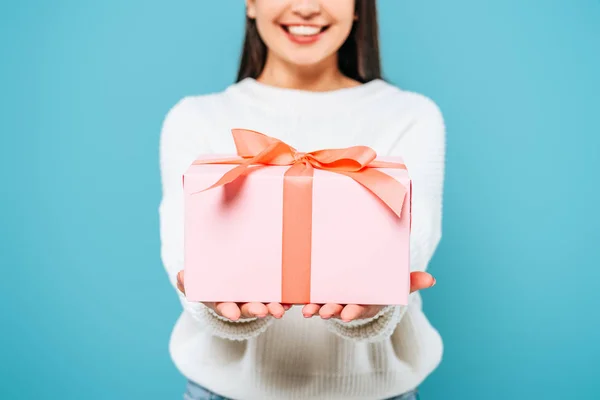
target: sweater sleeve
181 141
422 147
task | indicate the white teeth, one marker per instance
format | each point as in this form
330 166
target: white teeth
303 30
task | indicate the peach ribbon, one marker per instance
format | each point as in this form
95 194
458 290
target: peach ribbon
357 162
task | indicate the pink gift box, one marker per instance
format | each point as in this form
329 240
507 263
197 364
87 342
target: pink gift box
359 248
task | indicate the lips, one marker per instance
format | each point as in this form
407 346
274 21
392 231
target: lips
304 34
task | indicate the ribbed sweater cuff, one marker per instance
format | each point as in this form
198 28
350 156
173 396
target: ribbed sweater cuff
242 329
374 329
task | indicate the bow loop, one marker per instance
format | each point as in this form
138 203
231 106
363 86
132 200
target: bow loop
250 143
350 159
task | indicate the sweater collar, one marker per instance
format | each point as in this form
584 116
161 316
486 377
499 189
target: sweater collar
294 100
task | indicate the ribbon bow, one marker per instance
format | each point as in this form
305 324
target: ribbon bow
356 162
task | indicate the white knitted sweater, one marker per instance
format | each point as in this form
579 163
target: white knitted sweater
298 358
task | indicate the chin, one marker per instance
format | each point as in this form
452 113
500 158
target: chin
306 60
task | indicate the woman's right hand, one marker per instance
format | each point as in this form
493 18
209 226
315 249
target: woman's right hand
235 311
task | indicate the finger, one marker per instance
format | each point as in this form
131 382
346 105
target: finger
330 310
228 310
352 312
310 309
252 310
276 310
180 285
420 280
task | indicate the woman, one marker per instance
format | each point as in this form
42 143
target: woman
310 76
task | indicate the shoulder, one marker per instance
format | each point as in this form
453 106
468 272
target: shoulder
192 109
412 117
191 120
407 120
183 129
412 104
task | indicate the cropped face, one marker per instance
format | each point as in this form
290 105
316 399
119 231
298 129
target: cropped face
302 32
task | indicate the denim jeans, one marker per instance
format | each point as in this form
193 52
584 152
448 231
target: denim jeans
197 392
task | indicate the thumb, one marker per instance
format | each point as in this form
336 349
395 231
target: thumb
180 284
420 280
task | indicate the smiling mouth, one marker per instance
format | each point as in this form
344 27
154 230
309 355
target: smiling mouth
304 30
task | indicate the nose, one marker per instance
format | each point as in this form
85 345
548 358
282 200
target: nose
306 8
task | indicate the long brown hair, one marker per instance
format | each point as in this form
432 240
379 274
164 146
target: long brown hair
358 58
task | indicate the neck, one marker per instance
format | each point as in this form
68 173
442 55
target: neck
322 77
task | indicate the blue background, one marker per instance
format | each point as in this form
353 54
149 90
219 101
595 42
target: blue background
86 306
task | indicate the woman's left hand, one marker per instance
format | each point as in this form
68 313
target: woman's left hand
418 280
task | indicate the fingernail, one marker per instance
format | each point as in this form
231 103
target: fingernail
287 307
326 316
307 315
433 284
